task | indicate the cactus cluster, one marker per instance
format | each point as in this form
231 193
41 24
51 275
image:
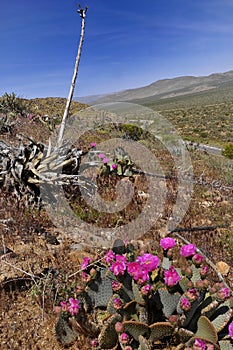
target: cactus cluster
144 301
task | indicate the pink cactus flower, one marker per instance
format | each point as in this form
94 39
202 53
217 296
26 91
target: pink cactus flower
101 155
171 276
85 263
167 243
105 160
74 306
188 250
198 259
116 285
149 262
117 303
114 166
192 294
185 304
145 290
109 257
224 293
139 274
94 343
124 338
199 344
93 144
119 266
204 270
230 329
119 327
64 305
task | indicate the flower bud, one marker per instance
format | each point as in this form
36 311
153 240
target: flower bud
119 327
185 304
124 338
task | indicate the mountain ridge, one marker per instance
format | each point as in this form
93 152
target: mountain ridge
165 88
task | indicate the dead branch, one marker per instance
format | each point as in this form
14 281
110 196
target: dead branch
82 13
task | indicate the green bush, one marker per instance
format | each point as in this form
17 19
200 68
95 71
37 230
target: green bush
228 151
10 103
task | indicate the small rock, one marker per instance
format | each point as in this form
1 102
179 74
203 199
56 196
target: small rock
223 268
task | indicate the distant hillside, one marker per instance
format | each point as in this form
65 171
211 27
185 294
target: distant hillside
168 89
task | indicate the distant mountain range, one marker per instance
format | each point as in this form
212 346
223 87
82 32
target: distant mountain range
167 89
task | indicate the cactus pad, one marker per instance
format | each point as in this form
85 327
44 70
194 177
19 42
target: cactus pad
225 345
144 343
166 263
222 319
64 331
135 328
100 291
184 335
160 330
206 330
108 336
169 301
130 310
137 293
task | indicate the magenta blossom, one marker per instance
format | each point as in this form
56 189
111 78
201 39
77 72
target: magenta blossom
74 306
93 144
105 160
119 328
192 294
171 276
185 304
199 344
198 259
148 262
230 329
167 243
188 250
204 269
145 290
224 293
101 155
85 277
94 343
119 266
64 305
114 166
116 285
124 338
138 272
85 263
109 256
117 303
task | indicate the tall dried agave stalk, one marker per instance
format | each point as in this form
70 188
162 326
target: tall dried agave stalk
82 13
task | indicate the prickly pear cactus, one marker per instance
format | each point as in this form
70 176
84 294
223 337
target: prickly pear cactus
108 336
143 302
64 331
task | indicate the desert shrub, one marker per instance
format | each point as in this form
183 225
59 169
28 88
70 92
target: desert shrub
10 103
228 151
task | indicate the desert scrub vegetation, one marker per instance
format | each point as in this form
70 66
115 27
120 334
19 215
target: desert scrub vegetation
202 117
206 124
228 151
11 104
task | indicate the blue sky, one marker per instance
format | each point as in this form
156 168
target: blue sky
128 43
